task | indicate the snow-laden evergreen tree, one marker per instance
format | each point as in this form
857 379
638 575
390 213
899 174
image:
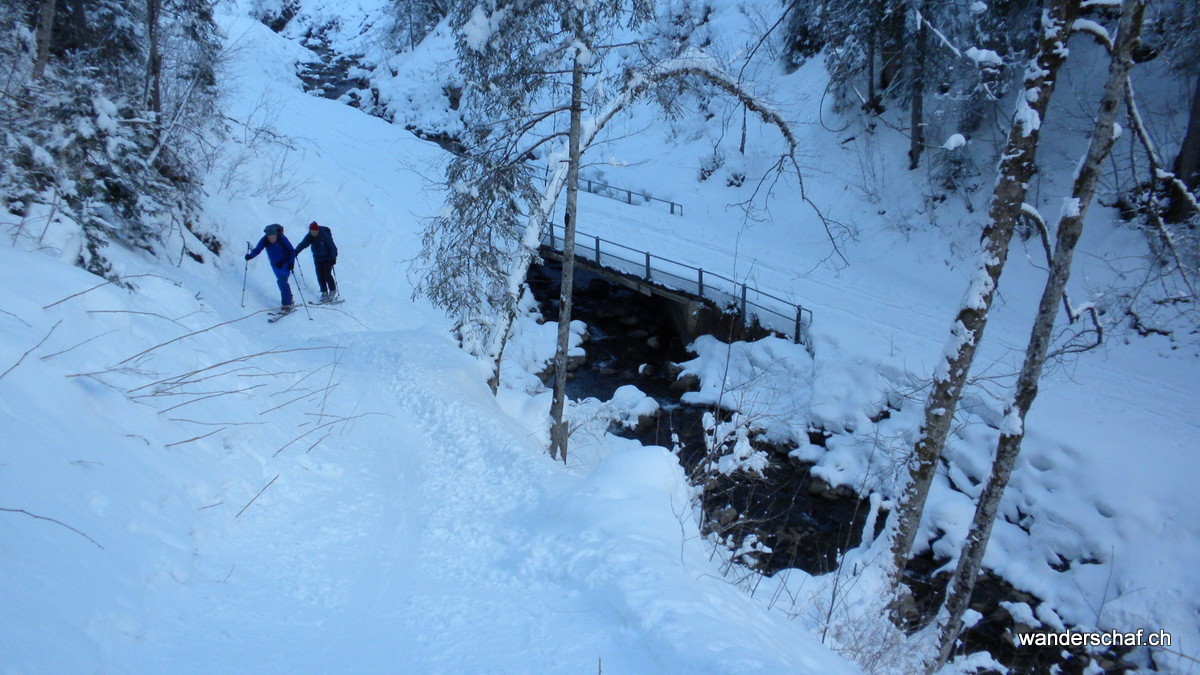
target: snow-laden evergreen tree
412 20
102 113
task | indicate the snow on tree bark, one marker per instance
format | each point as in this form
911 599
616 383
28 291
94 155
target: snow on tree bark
1016 168
45 33
1070 227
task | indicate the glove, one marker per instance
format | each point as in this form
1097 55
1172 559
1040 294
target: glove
291 266
247 256
333 263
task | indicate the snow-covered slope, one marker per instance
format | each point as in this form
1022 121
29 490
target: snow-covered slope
344 494
190 489
1098 519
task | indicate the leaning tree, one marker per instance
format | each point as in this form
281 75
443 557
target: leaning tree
542 80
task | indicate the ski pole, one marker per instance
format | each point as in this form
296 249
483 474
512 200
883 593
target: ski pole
245 273
300 287
302 279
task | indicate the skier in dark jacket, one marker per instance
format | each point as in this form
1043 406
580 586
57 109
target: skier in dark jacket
282 257
324 253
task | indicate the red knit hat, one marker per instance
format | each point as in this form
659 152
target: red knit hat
313 226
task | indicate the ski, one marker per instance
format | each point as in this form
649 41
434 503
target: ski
275 316
328 302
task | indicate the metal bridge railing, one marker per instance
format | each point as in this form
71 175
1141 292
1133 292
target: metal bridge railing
770 311
612 192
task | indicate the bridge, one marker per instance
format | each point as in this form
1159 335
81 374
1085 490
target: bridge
706 302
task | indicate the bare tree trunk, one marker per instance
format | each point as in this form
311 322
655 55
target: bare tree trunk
1016 169
1187 163
153 86
872 105
153 89
559 431
45 32
1070 227
917 141
892 45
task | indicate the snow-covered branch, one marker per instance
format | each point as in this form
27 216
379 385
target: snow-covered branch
1095 30
982 58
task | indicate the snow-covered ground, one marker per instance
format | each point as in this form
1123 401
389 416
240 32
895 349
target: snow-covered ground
344 494
340 494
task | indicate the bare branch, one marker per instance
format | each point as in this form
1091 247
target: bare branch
196 438
57 522
30 350
110 281
188 335
94 337
239 513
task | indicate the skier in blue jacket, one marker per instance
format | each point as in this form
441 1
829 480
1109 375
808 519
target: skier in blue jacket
324 253
282 257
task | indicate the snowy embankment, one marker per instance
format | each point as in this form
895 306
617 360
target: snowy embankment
1099 519
340 494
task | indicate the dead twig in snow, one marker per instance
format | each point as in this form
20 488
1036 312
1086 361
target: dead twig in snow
130 311
217 431
339 420
239 513
202 398
94 337
30 350
188 335
76 295
57 522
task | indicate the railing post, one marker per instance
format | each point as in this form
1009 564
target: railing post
647 265
672 207
629 197
799 323
552 244
745 319
597 238
700 282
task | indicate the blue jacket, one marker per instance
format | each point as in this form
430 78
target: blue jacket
280 253
323 247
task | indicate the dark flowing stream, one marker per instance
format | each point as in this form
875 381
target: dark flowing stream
631 340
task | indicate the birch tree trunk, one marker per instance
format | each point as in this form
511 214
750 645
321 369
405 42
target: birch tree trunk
1070 227
559 431
45 31
1016 169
